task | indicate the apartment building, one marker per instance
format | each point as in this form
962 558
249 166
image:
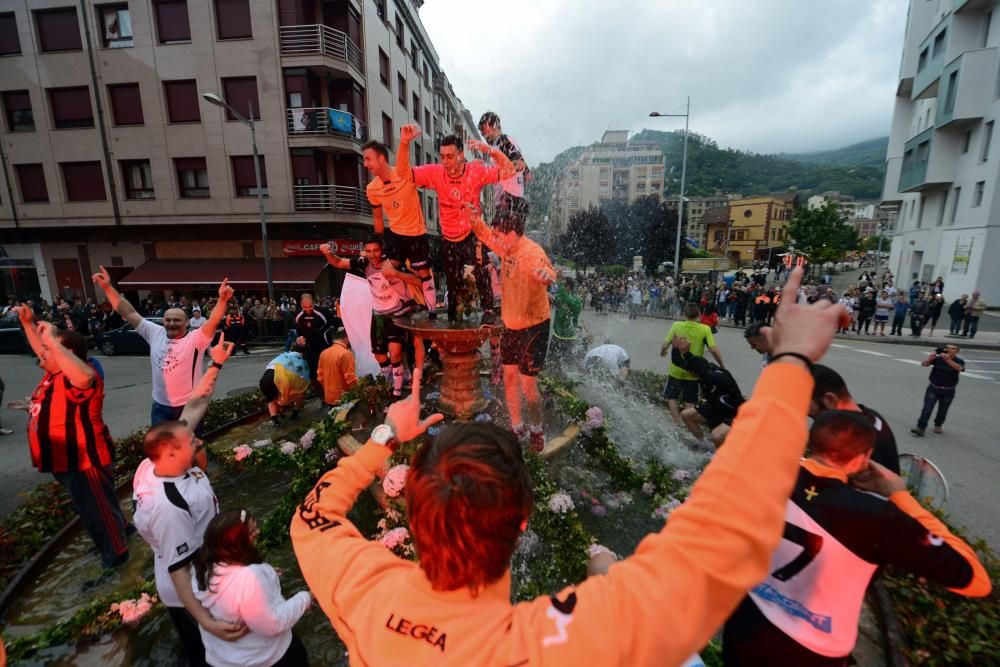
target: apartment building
694 212
614 168
942 170
111 154
751 228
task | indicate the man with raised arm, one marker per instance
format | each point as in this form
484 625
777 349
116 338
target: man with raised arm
175 354
393 195
469 497
458 184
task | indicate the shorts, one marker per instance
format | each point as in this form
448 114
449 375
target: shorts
525 348
385 331
716 415
268 387
881 318
676 388
402 248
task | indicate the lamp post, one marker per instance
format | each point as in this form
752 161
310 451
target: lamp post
219 102
684 161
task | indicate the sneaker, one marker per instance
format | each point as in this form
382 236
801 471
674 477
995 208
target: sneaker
937 429
537 440
5 431
917 431
488 319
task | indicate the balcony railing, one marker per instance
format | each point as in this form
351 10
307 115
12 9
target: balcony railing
306 40
335 198
323 121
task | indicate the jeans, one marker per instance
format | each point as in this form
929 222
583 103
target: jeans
970 326
864 321
93 494
897 325
956 325
160 413
916 324
943 398
455 256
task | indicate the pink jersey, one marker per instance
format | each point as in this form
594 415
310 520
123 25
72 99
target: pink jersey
454 193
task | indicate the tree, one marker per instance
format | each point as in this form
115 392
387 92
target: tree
822 234
871 243
589 239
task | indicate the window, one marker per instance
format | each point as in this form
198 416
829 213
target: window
232 19
985 39
920 214
987 139
126 105
413 56
400 31
977 195
137 179
71 107
17 110
84 181
401 88
922 61
949 100
10 42
923 151
241 94
966 141
954 204
31 180
380 9
172 26
192 177
427 120
427 78
115 26
58 29
939 43
182 101
244 177
387 134
383 68
416 107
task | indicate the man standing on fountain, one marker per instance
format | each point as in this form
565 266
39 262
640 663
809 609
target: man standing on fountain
526 276
393 194
458 183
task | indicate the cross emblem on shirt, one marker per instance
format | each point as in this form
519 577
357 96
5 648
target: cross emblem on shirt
811 493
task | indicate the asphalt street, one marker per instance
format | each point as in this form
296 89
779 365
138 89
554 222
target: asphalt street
128 390
888 378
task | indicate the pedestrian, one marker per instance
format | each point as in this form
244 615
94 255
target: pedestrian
918 314
934 310
828 554
682 384
175 354
634 301
4 431
310 326
883 306
946 366
608 359
758 336
284 384
974 309
236 328
196 320
67 435
956 311
899 310
259 314
336 371
866 310
232 581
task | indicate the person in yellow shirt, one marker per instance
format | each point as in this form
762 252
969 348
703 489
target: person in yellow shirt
469 497
393 195
682 384
526 273
336 369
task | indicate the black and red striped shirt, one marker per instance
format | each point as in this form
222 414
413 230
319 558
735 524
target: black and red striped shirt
66 431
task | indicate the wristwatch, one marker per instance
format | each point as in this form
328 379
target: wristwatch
384 435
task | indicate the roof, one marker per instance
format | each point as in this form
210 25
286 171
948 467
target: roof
714 216
157 273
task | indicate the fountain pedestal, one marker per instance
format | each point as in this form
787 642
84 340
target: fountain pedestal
458 343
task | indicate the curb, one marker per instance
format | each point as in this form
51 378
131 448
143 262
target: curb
892 636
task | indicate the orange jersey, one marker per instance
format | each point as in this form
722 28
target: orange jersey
656 607
398 198
335 372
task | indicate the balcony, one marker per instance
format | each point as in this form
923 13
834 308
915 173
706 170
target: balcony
890 188
321 46
925 165
324 128
972 5
933 53
964 98
335 198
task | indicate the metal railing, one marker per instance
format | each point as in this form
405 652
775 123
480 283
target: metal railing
304 40
317 121
335 198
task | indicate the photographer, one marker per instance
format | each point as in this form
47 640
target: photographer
946 365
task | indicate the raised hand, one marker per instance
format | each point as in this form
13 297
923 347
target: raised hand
222 350
47 332
404 416
803 328
541 275
102 279
24 314
225 291
409 132
479 146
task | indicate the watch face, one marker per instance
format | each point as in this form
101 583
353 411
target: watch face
382 434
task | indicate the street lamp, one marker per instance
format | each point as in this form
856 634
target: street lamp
684 161
219 102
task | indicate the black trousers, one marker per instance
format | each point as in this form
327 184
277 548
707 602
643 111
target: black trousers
916 324
455 256
190 636
749 640
897 325
864 321
943 399
93 495
295 656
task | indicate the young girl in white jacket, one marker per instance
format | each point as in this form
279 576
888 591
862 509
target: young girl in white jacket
233 583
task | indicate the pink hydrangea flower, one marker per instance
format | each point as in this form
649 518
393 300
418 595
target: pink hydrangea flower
666 509
242 452
132 611
395 538
598 510
593 419
560 503
395 480
681 475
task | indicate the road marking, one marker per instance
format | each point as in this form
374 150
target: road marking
974 375
873 353
841 346
909 361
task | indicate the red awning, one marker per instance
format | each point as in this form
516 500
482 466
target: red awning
163 273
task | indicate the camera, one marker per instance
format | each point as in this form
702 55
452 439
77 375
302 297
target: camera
939 350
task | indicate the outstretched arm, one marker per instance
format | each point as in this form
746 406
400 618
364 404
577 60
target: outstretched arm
505 167
196 407
121 305
79 373
407 133
333 259
482 231
27 319
219 312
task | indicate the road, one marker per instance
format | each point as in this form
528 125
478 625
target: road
890 379
126 408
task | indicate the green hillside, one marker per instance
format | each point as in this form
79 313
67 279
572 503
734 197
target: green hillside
869 153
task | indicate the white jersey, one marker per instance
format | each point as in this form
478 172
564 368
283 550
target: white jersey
171 514
613 356
177 363
389 295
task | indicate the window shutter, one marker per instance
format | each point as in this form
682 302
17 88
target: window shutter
243 174
31 179
126 104
232 19
172 21
58 29
71 107
182 101
10 42
84 181
238 91
189 163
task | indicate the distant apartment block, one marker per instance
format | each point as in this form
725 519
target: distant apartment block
750 229
694 212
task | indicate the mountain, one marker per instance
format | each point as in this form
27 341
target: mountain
853 170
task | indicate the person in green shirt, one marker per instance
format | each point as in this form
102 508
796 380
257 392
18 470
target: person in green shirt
680 383
564 329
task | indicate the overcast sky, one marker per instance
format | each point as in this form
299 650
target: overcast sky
767 76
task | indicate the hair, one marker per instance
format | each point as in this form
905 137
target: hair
691 310
489 118
827 381
164 434
569 282
227 540
306 296
376 146
453 140
373 239
841 435
754 329
468 493
74 342
511 215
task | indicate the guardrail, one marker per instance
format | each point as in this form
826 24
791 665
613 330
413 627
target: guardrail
335 198
323 121
304 40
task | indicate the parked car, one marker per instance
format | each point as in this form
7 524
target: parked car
12 339
124 340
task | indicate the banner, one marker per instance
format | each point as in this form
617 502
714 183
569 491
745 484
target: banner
963 253
356 313
309 248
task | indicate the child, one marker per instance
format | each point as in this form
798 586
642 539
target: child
233 583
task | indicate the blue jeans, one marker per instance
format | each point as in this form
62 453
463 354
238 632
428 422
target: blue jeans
160 413
943 398
970 326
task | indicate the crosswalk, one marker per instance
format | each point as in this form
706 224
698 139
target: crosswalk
972 366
